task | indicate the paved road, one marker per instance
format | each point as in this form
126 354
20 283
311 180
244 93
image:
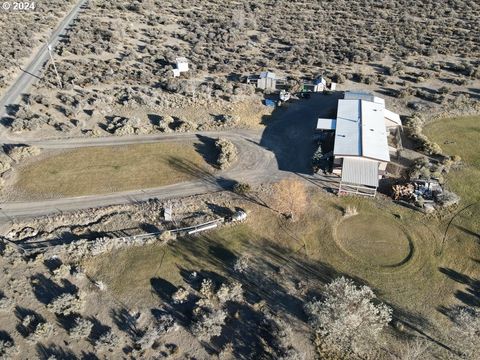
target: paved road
32 71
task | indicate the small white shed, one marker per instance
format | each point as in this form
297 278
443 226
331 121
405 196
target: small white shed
182 64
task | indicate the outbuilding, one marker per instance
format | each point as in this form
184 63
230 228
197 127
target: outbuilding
181 65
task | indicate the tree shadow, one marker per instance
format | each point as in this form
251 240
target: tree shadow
52 263
21 314
45 290
468 232
206 147
181 312
259 282
195 282
198 172
154 119
471 295
252 334
149 228
222 211
126 322
53 351
88 356
67 322
98 330
4 336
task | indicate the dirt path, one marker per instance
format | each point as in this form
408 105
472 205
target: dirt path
284 148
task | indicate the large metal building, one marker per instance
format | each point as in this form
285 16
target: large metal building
361 151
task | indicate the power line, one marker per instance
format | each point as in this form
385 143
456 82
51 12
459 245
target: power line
49 46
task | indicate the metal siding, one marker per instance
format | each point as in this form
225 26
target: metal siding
360 172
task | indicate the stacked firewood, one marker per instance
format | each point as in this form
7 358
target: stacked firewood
403 192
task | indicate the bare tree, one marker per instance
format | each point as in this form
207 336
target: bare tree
290 198
347 322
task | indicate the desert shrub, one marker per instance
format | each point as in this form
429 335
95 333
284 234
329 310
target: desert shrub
149 337
230 292
348 321
165 322
7 349
417 349
242 264
420 169
5 303
119 125
19 153
180 296
444 90
242 188
466 330
107 341
43 330
456 159
396 69
413 128
209 324
81 328
207 288
338 78
210 310
227 153
350 210
183 126
65 304
404 92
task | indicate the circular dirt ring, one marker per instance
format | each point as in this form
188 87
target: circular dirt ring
374 240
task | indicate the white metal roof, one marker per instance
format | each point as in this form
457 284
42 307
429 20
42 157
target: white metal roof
360 171
374 133
348 129
360 130
179 60
326 124
360 95
267 74
393 117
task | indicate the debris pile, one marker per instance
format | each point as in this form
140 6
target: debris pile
425 194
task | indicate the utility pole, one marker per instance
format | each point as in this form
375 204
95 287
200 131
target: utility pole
54 66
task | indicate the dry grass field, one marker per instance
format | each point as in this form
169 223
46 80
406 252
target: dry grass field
460 136
99 170
415 280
